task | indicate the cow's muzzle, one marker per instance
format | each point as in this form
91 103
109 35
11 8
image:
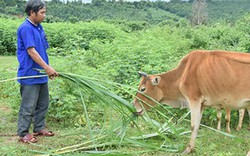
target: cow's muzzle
139 113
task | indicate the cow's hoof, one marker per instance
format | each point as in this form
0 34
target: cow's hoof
248 154
187 150
238 128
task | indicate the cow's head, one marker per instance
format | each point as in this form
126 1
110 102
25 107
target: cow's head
148 93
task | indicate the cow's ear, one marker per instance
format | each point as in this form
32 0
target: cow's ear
155 80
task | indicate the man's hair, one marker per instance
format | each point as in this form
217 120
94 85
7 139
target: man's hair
34 5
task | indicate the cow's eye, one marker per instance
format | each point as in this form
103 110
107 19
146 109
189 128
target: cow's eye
142 89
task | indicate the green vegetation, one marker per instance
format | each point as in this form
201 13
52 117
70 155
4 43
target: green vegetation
110 42
146 11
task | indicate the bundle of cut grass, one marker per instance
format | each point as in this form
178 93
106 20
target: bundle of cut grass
103 91
120 126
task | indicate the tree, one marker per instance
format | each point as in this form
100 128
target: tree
199 12
98 2
10 2
55 1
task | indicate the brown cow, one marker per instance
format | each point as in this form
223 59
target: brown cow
202 79
228 118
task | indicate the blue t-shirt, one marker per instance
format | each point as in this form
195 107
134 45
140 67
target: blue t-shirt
30 35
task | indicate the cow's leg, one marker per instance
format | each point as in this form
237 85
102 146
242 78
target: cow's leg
241 116
219 114
248 110
196 109
228 117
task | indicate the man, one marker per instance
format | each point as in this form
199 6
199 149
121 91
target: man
31 55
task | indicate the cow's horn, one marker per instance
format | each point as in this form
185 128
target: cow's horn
143 74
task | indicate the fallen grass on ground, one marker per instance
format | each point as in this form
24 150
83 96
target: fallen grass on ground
70 138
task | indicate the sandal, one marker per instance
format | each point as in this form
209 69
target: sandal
28 138
44 133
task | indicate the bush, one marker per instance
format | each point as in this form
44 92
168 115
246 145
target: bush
8 28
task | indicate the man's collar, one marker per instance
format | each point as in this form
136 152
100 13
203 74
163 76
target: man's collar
31 22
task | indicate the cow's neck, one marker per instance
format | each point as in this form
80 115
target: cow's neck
172 95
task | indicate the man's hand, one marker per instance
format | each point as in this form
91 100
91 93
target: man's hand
51 72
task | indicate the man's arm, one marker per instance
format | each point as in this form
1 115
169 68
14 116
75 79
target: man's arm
37 58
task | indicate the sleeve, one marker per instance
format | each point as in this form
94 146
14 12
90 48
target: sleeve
27 37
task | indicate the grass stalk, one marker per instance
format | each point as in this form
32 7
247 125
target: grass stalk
24 77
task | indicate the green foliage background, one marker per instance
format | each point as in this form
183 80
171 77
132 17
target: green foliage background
86 39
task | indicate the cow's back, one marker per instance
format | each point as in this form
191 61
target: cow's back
218 77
